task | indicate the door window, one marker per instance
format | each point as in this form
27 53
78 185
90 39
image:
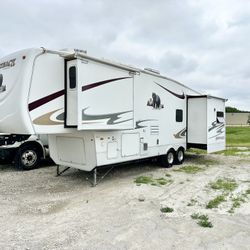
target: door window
220 117
72 77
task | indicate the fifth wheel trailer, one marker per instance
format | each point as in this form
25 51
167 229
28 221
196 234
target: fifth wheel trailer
97 112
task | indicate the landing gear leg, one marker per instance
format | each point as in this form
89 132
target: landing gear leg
94 177
58 172
97 180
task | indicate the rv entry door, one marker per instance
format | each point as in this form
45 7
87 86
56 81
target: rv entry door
71 94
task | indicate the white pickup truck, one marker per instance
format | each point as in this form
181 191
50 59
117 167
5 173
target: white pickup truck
25 150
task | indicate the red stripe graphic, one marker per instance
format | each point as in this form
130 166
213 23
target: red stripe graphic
46 99
40 102
96 84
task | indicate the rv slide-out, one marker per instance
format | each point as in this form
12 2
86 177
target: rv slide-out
98 112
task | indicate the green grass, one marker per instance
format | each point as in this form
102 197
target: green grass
190 169
203 220
163 181
151 181
192 202
234 151
144 180
167 210
204 160
196 151
214 203
238 136
237 202
205 223
225 184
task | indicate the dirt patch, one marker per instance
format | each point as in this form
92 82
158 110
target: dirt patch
42 211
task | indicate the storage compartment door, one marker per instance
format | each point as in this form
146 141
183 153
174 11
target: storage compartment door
105 97
216 138
197 122
130 144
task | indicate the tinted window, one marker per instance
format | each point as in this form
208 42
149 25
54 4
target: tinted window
220 114
179 115
72 77
220 117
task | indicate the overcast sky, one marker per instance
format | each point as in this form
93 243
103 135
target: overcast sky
201 43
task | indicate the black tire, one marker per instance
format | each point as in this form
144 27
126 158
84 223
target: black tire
167 160
27 157
179 156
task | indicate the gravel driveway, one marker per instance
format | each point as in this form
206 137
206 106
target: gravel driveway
42 211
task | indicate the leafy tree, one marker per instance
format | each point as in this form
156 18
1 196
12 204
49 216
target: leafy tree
232 110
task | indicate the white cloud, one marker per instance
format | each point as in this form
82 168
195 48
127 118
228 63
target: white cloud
202 43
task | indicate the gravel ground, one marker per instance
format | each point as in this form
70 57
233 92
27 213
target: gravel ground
42 211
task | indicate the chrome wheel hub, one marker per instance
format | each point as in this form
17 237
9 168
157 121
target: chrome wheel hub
29 158
170 158
180 155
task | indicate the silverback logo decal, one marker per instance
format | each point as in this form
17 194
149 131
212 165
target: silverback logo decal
155 102
10 63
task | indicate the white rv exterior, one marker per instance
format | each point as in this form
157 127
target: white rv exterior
97 112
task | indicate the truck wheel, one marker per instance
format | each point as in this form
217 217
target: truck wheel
180 156
167 160
27 157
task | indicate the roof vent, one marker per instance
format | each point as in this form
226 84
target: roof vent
155 71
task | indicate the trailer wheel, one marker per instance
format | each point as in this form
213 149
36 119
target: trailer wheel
167 160
180 156
27 157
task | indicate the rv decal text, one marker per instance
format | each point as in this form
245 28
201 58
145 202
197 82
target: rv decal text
10 63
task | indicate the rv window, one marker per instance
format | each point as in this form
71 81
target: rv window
220 117
72 77
220 114
179 115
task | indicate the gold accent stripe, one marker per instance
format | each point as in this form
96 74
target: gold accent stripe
45 119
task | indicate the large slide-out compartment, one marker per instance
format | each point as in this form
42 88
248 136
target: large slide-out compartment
206 123
158 126
104 96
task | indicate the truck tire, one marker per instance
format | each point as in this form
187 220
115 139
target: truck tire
180 156
167 160
27 157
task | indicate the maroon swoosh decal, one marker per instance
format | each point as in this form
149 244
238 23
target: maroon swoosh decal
96 84
40 102
171 92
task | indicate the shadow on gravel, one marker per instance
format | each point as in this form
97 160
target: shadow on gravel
118 171
201 159
9 166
